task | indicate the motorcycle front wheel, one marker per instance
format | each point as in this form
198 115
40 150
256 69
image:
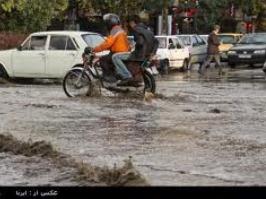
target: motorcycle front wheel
77 83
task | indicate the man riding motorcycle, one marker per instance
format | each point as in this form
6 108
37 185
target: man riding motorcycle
145 47
116 42
146 44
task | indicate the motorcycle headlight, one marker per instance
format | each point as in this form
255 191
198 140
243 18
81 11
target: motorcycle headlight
259 51
231 52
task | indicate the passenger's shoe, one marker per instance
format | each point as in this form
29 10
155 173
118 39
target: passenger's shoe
110 79
125 82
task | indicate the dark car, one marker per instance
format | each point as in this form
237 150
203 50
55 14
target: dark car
251 50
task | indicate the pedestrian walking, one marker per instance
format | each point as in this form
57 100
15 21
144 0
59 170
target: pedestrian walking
212 51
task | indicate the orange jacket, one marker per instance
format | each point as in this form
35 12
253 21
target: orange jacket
116 42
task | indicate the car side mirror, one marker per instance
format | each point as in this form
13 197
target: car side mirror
19 48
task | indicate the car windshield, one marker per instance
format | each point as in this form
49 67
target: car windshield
185 40
227 39
92 40
162 42
254 39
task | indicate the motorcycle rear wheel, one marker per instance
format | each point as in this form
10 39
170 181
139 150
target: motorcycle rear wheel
77 83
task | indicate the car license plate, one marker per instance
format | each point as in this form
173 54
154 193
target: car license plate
244 56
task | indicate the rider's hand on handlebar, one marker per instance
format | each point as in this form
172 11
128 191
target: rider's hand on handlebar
88 50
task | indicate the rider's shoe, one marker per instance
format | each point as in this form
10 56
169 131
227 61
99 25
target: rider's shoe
110 79
118 77
125 82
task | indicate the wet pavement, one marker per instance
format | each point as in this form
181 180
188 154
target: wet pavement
196 131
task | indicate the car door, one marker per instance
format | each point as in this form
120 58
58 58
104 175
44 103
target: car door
195 52
177 53
202 49
61 55
172 50
30 59
182 52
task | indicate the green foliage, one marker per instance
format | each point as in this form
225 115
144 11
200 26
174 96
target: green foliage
29 15
35 15
123 8
153 5
8 5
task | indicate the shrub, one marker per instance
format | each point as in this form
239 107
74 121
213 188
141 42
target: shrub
11 40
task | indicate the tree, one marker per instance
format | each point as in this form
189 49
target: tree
123 8
255 8
212 12
29 15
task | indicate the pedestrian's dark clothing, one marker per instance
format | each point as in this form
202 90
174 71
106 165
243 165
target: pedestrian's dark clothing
213 53
146 44
213 44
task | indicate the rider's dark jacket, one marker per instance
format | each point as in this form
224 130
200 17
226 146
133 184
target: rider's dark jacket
146 44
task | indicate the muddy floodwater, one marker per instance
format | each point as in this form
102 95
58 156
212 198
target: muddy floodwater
196 131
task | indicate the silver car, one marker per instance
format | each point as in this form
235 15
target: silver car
197 48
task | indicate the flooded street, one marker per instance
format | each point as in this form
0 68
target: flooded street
196 131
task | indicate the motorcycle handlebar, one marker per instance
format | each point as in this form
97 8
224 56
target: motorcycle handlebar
88 50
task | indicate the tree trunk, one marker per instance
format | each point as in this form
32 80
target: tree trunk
165 17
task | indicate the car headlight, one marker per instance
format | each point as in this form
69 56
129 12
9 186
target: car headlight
231 52
259 51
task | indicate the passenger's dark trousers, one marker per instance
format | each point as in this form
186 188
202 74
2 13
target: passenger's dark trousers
107 65
207 62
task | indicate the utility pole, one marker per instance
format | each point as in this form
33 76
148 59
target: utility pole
165 17
196 16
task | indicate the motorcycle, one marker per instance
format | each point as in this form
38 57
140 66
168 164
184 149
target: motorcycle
82 81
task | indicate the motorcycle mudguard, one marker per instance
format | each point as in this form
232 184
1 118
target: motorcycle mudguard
88 72
152 70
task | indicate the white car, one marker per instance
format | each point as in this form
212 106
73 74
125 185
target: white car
197 48
172 53
47 54
205 38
